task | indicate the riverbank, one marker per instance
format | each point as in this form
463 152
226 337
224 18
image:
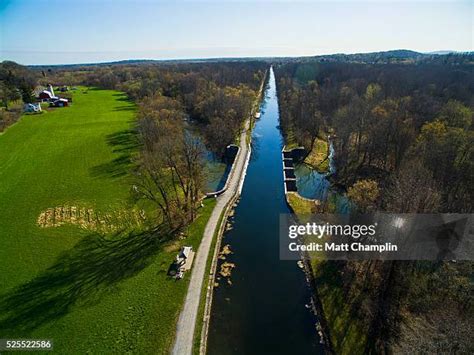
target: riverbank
186 326
295 201
262 290
345 331
206 300
341 332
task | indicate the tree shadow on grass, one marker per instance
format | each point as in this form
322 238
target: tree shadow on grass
124 108
124 142
114 169
123 97
80 276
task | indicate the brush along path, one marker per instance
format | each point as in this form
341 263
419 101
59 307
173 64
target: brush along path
187 319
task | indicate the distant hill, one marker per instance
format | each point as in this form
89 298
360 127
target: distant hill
397 55
444 52
147 61
401 56
392 56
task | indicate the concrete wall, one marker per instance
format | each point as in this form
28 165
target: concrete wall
289 173
291 185
289 157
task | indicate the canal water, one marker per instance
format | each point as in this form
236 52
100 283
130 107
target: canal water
264 310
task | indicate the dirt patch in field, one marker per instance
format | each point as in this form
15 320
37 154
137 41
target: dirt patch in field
172 247
89 219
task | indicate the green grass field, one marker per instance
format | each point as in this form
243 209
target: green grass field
87 292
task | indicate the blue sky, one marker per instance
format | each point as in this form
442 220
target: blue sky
81 31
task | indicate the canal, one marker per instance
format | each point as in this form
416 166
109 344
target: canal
264 309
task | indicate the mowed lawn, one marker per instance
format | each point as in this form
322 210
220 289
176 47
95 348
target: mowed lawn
87 293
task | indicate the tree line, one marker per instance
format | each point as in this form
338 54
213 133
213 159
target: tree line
16 86
218 96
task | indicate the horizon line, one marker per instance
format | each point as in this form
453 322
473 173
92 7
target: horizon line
188 59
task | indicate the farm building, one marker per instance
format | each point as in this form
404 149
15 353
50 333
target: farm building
47 95
58 102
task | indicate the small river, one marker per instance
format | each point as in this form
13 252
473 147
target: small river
264 310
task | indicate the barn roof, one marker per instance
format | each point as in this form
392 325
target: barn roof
47 93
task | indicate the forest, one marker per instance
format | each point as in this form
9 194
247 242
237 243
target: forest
218 96
403 136
388 119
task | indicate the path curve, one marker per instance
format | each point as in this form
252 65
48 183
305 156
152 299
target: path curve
187 320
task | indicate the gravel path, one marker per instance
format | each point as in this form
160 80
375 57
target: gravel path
187 319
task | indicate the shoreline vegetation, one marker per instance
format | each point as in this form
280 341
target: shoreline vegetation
391 154
301 205
318 157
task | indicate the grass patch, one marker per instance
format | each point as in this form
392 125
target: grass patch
300 205
318 157
348 334
87 292
75 155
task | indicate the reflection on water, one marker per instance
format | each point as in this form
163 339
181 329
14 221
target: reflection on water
216 173
216 170
312 184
